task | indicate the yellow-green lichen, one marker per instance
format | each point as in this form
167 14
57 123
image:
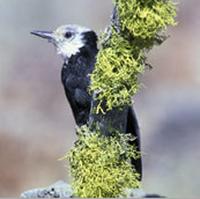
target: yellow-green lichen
145 18
122 58
116 72
100 166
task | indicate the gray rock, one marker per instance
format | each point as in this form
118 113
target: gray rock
140 193
60 189
135 193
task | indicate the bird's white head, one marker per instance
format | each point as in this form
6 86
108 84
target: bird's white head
68 39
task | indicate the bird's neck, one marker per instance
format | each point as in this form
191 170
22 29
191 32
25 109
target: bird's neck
85 57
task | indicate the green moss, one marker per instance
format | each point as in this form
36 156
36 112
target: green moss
115 77
100 166
145 18
121 59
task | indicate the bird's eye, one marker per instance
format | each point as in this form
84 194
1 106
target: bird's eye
68 35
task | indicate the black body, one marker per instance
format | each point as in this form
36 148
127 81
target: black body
75 79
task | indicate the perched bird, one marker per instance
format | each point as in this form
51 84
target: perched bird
78 47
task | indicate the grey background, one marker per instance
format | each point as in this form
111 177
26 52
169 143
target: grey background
36 123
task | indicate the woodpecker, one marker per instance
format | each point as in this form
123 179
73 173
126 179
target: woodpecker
77 46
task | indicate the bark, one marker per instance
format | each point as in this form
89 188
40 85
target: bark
116 118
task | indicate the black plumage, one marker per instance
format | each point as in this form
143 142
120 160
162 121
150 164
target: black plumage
133 128
76 80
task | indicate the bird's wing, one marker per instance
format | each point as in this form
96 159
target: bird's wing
82 98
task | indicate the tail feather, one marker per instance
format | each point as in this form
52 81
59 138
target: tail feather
133 128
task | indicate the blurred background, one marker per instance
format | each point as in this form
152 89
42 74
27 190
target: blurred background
36 123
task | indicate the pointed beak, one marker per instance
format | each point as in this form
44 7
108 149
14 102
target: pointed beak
43 34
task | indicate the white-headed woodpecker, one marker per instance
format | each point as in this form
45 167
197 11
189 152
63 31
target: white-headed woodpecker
78 47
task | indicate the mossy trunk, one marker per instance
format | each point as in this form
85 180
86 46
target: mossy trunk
113 120
100 161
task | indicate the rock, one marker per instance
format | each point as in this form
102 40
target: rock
60 189
140 193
